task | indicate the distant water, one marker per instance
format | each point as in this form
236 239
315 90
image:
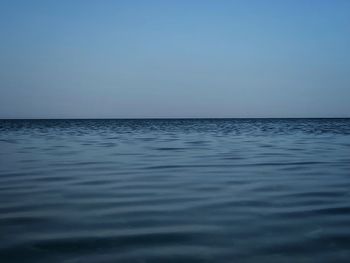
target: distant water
209 190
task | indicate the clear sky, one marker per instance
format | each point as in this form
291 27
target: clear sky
217 58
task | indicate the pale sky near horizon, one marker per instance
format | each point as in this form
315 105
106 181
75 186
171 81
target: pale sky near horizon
139 59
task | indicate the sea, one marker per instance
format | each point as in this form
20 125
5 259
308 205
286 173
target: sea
175 190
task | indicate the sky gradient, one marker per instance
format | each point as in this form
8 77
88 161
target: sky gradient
141 59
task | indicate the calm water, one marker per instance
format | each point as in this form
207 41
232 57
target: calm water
175 190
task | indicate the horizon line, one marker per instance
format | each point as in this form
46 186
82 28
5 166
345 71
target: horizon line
170 118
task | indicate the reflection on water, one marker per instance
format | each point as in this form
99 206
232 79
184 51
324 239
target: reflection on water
225 190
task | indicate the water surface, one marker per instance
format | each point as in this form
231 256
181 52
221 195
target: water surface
205 190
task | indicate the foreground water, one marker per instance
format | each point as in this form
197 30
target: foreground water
269 190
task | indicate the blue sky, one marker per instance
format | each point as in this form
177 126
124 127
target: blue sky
131 59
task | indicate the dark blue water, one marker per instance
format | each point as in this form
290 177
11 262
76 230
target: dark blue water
268 190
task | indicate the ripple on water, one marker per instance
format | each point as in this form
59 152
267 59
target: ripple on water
200 190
